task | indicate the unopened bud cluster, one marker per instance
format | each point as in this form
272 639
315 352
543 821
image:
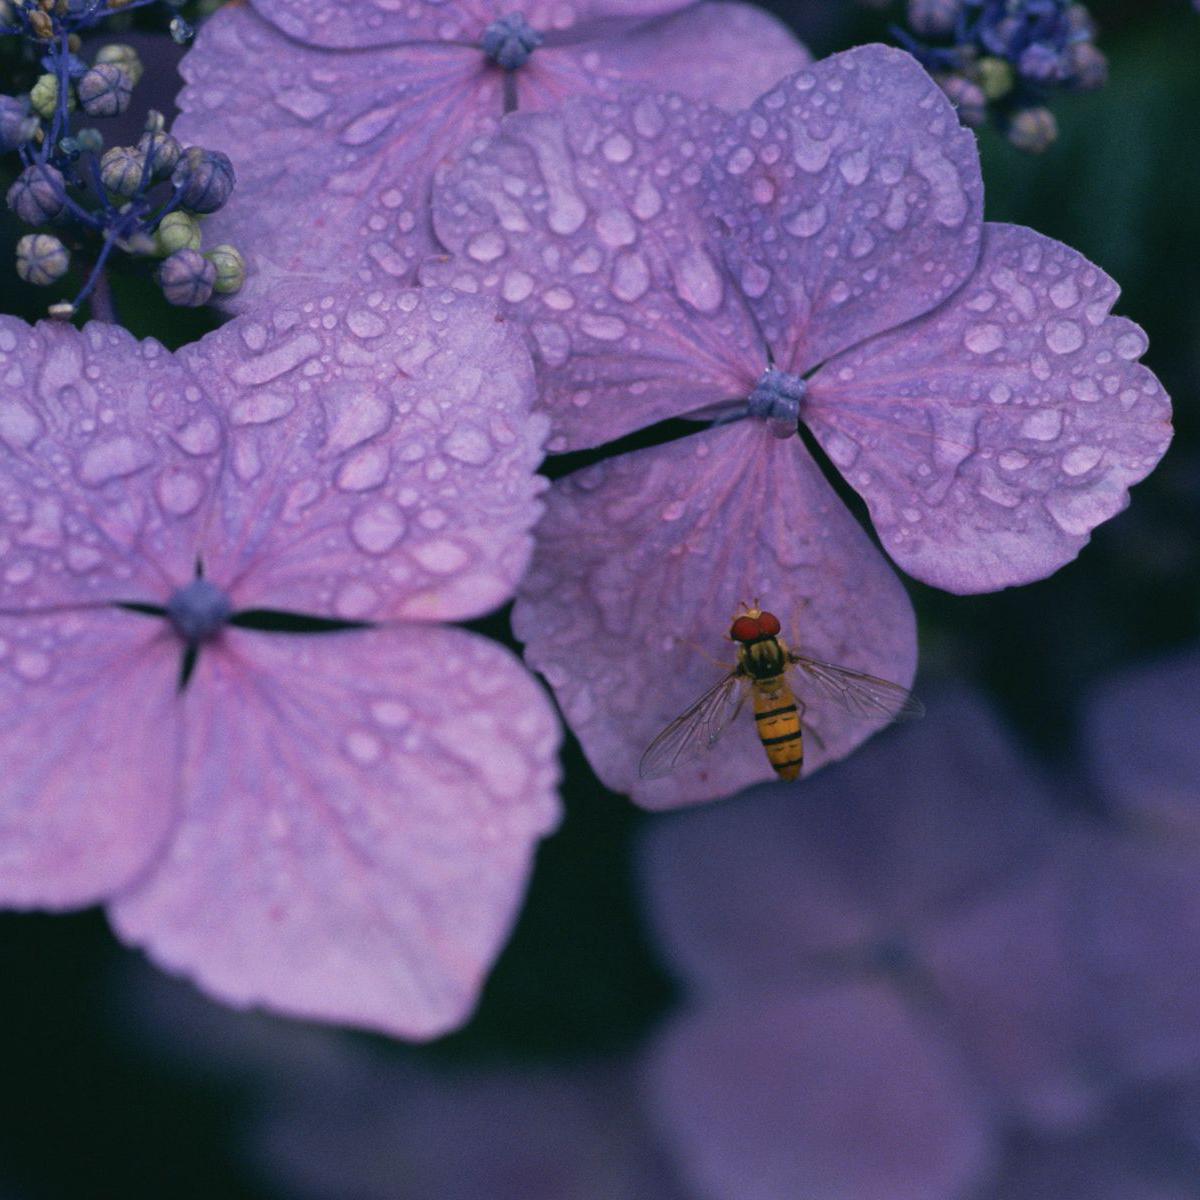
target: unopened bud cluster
1003 60
146 199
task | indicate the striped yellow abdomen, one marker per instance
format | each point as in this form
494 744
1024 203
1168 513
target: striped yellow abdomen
778 721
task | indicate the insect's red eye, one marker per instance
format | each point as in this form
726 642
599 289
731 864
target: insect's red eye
768 625
745 629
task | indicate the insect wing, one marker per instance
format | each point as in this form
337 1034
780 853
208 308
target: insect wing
696 730
865 696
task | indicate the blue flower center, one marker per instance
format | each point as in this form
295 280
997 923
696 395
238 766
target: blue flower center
198 611
777 398
509 41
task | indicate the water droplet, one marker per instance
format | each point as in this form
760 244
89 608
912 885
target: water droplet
276 362
854 167
984 338
1131 346
363 471
1064 337
740 161
365 324
617 148
200 437
1064 294
1013 460
378 527
605 329
558 298
630 277
1043 425
809 153
647 200
1080 459
441 556
486 247
674 510
114 459
303 102
516 286
363 747
616 228
391 714
468 444
179 492
698 281
260 408
805 222
19 424
32 665
648 119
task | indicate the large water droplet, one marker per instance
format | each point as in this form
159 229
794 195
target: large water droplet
983 338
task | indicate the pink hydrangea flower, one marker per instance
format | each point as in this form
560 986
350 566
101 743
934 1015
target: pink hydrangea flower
337 826
337 118
820 256
887 978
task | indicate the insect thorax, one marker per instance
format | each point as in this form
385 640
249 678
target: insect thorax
763 659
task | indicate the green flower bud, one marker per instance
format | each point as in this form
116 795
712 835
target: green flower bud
995 77
41 259
125 57
43 97
91 141
231 269
176 231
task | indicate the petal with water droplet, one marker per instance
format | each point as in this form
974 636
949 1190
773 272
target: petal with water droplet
88 786
988 451
427 412
331 182
641 562
108 456
359 816
546 182
837 153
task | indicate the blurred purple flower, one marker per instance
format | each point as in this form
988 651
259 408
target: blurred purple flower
337 119
887 977
821 256
337 826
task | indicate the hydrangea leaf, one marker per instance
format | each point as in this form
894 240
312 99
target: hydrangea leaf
725 53
991 436
758 1096
359 813
88 786
381 456
641 562
854 864
1143 740
585 226
107 462
331 182
851 199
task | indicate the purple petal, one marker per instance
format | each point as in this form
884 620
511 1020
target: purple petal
787 882
106 466
991 436
1138 932
329 23
723 53
331 182
641 562
853 201
87 790
360 813
838 1094
1143 739
381 456
602 253
1006 972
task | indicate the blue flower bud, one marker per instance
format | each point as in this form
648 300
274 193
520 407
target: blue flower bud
17 124
934 18
91 141
41 259
177 231
231 269
123 56
187 278
121 170
104 91
968 97
206 177
510 40
1087 67
1033 130
162 151
181 31
38 195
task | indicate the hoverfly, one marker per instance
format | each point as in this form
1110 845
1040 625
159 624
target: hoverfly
763 668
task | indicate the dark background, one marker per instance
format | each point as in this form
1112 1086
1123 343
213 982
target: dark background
90 1105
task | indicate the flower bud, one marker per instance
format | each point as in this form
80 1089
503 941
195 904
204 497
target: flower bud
43 96
995 77
123 56
967 96
91 141
41 259
63 311
933 18
155 122
231 269
187 278
104 91
181 31
1087 67
17 125
1033 130
38 195
206 178
177 231
162 151
121 170
41 25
